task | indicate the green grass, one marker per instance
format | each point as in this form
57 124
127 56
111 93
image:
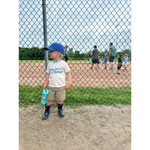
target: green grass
77 96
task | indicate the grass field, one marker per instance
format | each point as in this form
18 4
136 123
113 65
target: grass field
77 96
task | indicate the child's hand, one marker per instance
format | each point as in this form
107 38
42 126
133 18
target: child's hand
119 64
68 85
45 86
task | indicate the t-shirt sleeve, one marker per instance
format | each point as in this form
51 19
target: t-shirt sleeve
66 68
48 70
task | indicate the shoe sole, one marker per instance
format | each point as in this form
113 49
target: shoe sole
61 116
44 118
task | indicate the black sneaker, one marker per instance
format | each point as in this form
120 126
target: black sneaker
45 116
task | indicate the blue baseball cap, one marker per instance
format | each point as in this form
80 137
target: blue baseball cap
56 47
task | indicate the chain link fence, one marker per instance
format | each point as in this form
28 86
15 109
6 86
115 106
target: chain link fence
80 25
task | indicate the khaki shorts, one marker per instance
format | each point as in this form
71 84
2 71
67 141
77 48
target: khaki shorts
57 93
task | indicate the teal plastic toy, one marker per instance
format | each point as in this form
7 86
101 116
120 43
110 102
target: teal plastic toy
44 96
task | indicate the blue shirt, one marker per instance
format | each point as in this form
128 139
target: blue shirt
126 60
105 60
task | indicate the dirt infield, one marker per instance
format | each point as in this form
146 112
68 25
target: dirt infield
84 128
33 73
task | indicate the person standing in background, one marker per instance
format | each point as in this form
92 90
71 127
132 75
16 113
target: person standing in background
98 61
112 53
95 54
66 54
105 61
89 58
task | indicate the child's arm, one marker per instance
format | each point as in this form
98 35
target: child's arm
46 81
68 75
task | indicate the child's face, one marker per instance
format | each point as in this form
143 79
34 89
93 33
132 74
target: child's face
118 56
54 54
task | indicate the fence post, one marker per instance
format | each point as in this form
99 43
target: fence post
45 31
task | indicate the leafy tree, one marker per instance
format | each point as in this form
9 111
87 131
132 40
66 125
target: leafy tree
77 54
70 50
36 53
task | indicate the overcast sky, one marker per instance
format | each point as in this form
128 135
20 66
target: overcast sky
78 24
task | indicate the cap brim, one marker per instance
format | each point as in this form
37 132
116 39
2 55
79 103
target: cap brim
49 48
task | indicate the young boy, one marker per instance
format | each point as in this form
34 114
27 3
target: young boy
105 61
98 61
55 78
125 62
89 58
119 63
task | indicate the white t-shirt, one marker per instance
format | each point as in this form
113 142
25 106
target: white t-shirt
57 71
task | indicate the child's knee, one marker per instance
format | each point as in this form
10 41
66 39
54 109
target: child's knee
60 102
49 102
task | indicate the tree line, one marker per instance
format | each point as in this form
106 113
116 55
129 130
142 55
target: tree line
36 53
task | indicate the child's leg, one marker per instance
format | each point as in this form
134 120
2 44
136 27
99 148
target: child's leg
51 97
60 96
105 65
92 65
89 60
125 67
49 102
60 102
60 110
47 109
118 69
